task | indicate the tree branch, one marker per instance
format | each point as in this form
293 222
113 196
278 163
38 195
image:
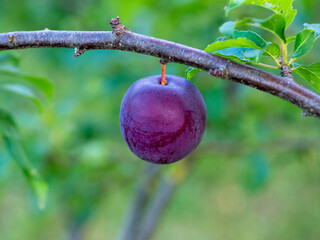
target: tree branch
121 38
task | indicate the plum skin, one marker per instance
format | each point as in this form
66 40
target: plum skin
162 123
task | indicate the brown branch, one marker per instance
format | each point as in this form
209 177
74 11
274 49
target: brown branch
122 38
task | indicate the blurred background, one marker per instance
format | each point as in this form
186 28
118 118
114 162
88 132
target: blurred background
255 174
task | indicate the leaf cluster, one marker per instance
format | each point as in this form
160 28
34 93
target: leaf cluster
35 89
248 47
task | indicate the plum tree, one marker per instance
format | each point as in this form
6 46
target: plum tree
167 115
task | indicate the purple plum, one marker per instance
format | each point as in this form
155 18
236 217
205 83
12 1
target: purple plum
162 123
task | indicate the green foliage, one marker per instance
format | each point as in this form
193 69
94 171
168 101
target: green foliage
22 91
239 42
311 73
11 136
273 50
245 46
42 83
25 86
303 42
191 72
290 39
238 54
227 28
251 36
235 54
256 169
314 27
283 7
275 24
249 47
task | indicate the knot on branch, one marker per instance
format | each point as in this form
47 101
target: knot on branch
163 61
118 28
286 71
78 52
308 112
220 72
12 38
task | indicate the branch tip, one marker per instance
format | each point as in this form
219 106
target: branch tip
12 38
78 52
117 27
308 112
220 72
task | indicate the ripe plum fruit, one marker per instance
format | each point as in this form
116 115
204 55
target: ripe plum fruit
162 123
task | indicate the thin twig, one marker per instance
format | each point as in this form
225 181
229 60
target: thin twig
267 66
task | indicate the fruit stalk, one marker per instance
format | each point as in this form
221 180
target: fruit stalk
163 74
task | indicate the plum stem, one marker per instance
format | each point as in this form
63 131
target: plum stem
163 74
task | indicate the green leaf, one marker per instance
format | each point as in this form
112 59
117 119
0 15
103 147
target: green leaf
304 42
314 27
11 136
272 50
252 36
291 39
242 55
232 55
236 54
42 83
240 42
294 65
22 91
253 55
245 46
275 24
311 73
191 72
234 49
283 7
39 187
227 28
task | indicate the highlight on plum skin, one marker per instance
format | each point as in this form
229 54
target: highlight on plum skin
162 123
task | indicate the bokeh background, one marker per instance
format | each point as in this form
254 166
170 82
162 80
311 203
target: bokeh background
255 175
